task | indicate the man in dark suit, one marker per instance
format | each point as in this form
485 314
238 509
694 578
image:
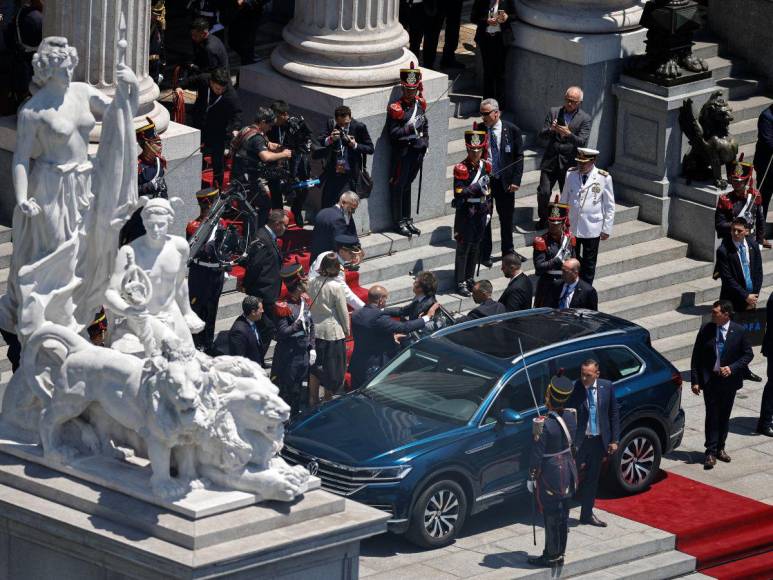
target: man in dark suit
244 338
342 147
424 290
264 261
572 291
763 156
487 306
217 114
565 129
332 222
519 291
209 52
720 357
505 151
765 422
491 37
598 432
739 263
374 332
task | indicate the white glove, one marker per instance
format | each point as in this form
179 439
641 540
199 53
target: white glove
531 485
488 218
312 356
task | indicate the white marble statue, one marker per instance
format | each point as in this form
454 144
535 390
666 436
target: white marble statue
165 308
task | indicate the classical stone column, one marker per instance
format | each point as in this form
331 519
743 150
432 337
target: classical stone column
92 27
591 16
345 43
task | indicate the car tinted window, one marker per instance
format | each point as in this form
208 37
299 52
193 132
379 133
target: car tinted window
516 394
433 385
615 363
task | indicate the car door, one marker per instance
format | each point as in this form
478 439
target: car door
501 458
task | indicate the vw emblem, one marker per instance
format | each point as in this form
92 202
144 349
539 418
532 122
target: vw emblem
313 467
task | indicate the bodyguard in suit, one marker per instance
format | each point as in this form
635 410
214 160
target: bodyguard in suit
565 129
505 152
763 155
571 291
374 332
720 357
244 338
334 221
739 263
264 261
552 471
519 291
598 432
424 291
765 422
589 193
343 147
486 306
492 18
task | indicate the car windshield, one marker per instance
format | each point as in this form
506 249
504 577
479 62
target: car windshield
432 384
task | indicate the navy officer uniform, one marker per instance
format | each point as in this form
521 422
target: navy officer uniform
551 250
552 471
408 129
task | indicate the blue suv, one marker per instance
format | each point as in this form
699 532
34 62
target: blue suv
444 430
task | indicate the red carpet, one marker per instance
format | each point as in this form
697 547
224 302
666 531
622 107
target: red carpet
715 526
754 568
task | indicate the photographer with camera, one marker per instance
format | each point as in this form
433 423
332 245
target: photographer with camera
256 161
343 147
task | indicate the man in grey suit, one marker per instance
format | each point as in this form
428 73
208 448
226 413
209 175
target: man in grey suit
565 129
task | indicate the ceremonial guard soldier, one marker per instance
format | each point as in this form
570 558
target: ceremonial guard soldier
409 132
294 352
743 201
591 199
473 209
551 250
206 273
151 167
552 470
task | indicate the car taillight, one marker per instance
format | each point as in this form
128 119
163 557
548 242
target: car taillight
676 378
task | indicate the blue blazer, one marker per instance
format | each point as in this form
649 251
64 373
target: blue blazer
329 223
607 409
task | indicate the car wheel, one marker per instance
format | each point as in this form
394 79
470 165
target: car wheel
638 460
438 515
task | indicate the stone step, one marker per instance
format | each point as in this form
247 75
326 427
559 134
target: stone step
668 564
458 125
745 131
722 67
6 234
529 185
613 267
463 104
675 348
705 49
6 249
5 364
741 87
457 151
749 107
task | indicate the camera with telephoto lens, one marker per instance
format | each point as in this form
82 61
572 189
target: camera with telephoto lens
299 135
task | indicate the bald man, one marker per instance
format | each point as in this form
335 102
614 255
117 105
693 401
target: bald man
374 335
572 291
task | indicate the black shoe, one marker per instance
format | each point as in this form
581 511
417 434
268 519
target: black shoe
593 521
451 63
750 376
488 262
766 430
461 289
543 562
412 227
402 229
710 461
470 284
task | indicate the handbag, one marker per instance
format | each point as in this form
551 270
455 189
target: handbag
364 183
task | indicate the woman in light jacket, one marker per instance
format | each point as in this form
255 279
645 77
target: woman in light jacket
331 327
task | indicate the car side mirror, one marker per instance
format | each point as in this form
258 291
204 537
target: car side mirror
509 417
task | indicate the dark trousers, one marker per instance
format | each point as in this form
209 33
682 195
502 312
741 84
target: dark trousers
765 187
504 201
588 253
719 405
590 455
766 407
400 185
204 287
466 260
556 529
492 51
547 179
241 36
217 153
453 16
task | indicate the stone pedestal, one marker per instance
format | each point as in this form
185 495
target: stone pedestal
260 84
650 144
92 27
54 526
558 43
691 217
344 43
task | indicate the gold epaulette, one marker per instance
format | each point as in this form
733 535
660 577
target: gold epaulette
603 172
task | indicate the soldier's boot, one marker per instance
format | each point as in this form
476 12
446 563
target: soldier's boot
402 228
411 226
553 552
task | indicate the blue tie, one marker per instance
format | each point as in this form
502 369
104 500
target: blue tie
564 302
747 275
494 151
592 420
720 344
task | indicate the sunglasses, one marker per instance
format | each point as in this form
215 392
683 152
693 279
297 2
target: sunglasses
487 113
572 101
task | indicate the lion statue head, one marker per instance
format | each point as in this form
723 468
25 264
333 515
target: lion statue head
716 116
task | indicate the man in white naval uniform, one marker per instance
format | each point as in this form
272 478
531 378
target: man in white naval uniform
591 199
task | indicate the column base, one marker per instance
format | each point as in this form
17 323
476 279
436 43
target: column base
260 84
